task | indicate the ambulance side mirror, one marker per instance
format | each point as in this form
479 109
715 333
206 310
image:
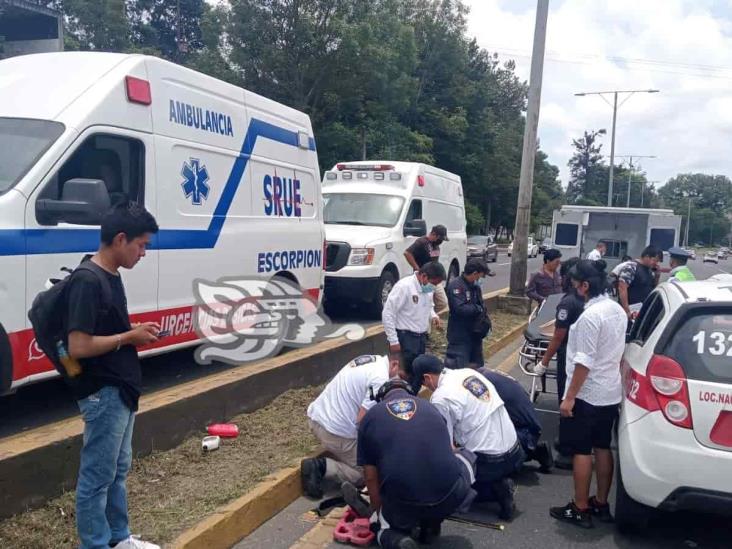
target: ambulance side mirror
415 227
83 202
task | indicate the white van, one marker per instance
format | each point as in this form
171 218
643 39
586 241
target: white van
231 177
373 212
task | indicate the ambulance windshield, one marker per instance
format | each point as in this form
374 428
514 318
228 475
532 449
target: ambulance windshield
377 210
22 142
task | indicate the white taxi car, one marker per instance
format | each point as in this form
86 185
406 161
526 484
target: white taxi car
675 428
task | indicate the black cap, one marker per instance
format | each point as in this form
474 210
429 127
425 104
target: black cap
427 364
441 231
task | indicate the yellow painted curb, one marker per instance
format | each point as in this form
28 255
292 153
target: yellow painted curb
497 346
236 520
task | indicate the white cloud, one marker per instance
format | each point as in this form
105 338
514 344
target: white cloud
682 47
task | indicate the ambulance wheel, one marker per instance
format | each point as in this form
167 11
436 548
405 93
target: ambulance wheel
383 289
452 272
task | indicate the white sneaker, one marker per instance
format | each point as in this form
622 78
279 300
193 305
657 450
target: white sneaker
134 542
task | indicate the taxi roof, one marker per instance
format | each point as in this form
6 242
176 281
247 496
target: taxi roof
715 289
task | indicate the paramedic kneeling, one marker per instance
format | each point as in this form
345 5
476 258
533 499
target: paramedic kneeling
413 476
523 416
590 405
334 418
477 421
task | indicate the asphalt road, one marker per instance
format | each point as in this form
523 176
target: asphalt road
50 401
532 527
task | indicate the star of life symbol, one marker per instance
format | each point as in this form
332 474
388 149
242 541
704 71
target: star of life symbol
195 184
244 319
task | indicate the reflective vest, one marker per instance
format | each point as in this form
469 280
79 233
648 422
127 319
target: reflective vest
684 274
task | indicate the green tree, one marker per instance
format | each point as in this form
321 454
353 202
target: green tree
711 204
588 174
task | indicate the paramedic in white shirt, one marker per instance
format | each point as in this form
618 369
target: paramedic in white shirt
408 312
592 394
333 418
477 420
599 251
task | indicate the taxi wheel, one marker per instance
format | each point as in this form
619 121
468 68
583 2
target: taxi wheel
630 516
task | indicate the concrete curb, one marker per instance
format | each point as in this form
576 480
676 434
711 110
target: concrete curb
40 464
241 517
237 520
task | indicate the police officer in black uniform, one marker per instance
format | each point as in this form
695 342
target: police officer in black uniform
469 322
415 479
568 311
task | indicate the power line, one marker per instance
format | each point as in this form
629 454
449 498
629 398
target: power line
648 65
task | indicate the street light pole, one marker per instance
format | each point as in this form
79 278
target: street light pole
630 174
612 153
615 106
523 208
688 222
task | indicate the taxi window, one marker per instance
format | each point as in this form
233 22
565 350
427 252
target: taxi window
702 345
650 316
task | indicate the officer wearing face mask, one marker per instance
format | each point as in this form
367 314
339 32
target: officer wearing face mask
408 312
469 322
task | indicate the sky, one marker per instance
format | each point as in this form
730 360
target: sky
681 47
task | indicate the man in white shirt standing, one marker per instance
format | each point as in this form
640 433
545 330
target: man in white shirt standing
598 252
592 394
408 312
334 418
477 420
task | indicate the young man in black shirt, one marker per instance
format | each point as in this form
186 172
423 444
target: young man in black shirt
413 475
102 340
426 249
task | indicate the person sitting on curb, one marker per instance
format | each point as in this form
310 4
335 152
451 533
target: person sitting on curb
414 477
334 418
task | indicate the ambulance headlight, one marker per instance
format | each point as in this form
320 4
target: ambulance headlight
361 256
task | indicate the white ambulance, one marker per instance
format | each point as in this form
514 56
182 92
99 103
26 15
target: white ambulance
373 212
231 177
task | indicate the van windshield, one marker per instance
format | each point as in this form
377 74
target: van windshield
377 210
22 142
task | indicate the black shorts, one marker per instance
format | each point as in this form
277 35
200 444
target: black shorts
590 427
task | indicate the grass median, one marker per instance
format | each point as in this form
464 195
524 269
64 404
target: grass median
173 490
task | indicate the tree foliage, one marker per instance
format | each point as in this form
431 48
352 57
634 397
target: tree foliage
711 204
384 79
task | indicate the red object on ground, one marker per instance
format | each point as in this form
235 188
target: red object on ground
353 529
224 430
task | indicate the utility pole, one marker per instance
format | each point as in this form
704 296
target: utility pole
688 222
523 207
630 174
615 106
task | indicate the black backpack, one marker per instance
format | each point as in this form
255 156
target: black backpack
49 311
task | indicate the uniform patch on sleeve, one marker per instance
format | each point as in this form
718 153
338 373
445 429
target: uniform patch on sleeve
562 314
363 359
477 388
404 408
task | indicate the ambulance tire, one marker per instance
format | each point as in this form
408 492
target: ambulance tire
383 288
6 362
452 272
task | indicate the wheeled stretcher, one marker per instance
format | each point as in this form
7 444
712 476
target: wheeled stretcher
537 336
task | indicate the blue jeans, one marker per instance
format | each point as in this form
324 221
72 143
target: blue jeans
101 491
